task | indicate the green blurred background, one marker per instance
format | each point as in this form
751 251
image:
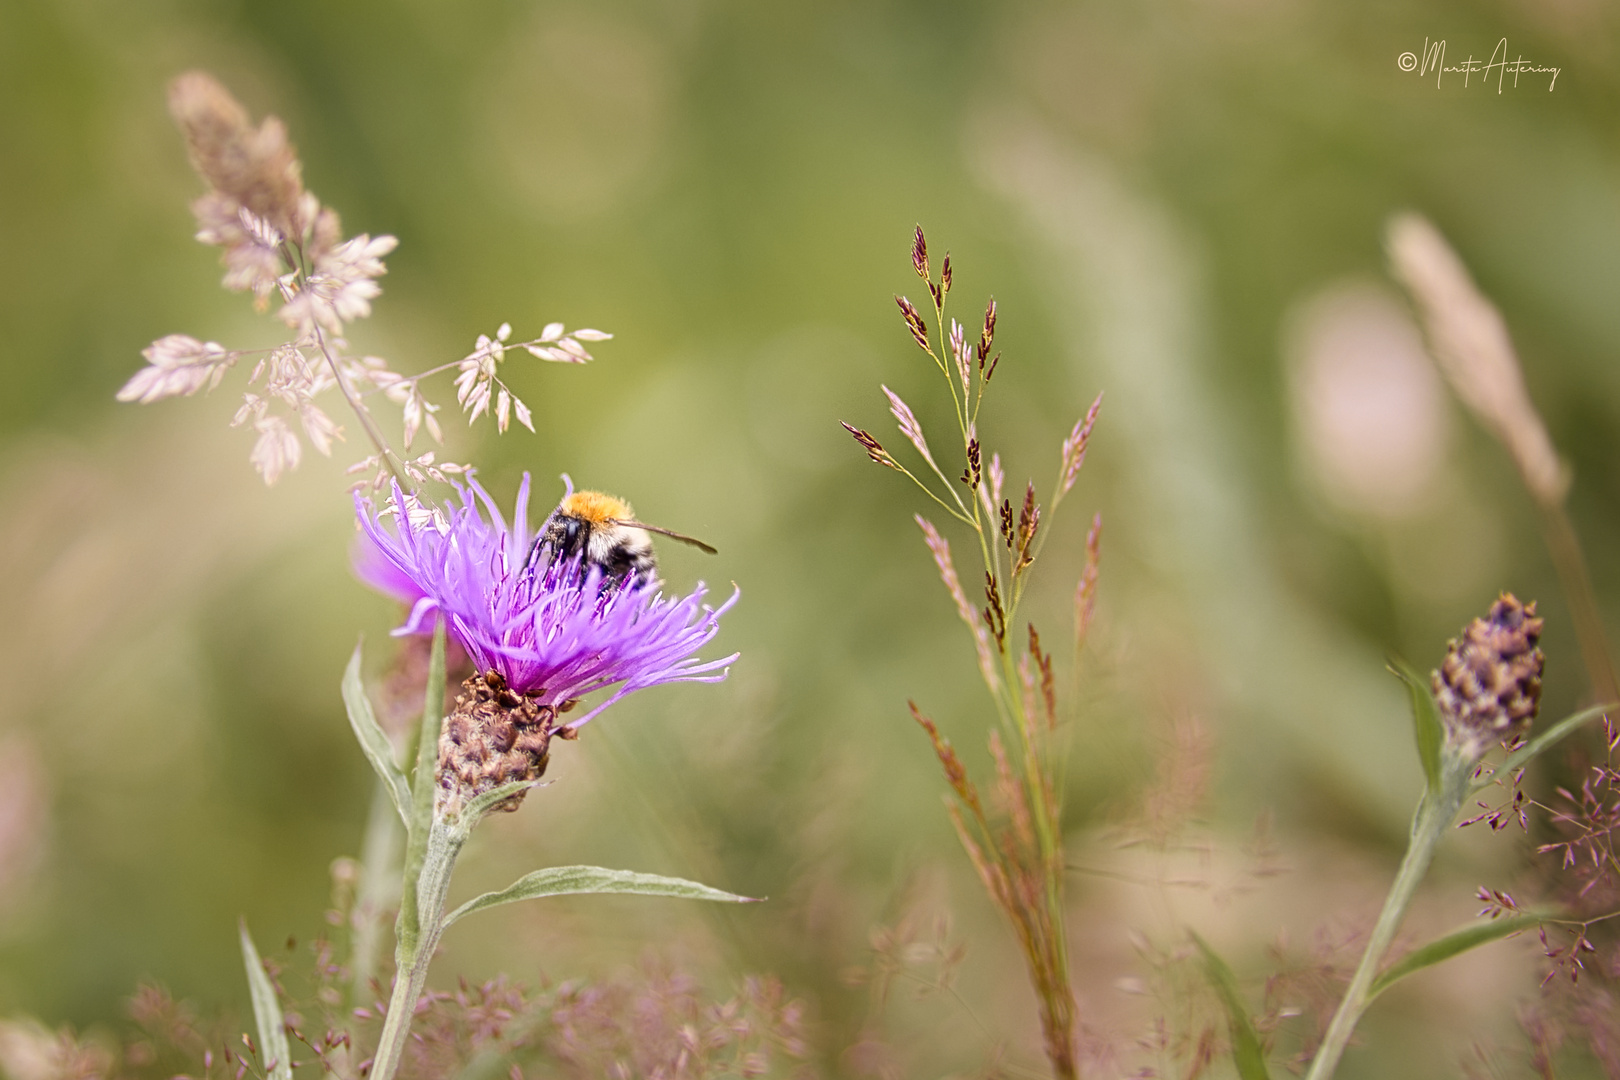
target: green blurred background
1179 202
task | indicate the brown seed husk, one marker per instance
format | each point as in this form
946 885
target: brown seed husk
493 736
256 166
1488 687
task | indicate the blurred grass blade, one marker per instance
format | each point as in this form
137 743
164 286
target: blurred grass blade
423 785
576 880
376 895
1550 738
1247 1055
1425 720
1452 944
379 751
274 1052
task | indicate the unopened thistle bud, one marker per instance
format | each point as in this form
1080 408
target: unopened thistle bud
494 736
1489 685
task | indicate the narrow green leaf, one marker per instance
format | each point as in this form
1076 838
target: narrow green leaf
566 880
379 751
424 782
479 805
1247 1055
274 1052
1425 720
1452 944
1550 738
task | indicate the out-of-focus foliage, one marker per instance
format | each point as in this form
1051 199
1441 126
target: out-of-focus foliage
1179 202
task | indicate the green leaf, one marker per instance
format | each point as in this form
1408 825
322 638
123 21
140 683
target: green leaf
1425 720
573 880
479 805
274 1052
379 751
1550 738
1247 1055
1452 944
424 782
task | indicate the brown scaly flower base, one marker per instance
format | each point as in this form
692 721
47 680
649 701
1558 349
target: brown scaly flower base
493 736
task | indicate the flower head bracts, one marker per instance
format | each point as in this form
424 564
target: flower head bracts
1488 688
554 631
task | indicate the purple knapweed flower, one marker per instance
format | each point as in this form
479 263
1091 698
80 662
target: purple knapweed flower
553 631
543 632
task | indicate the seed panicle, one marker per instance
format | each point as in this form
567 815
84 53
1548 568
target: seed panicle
955 773
986 335
1074 447
994 615
278 241
1029 522
1085 593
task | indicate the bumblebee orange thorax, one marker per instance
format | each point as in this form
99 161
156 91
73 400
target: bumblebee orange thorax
596 507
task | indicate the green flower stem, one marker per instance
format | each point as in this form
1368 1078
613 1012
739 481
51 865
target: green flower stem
416 945
1432 820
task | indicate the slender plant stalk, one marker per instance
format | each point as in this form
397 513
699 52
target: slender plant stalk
1432 820
1570 563
384 452
416 945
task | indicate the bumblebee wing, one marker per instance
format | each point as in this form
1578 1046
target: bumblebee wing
671 533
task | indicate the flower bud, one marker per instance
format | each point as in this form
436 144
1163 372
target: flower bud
1489 685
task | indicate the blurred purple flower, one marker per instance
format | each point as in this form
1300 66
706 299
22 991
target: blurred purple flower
549 628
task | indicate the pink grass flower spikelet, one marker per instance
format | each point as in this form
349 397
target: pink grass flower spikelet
552 631
179 366
341 286
941 550
962 353
1074 447
909 427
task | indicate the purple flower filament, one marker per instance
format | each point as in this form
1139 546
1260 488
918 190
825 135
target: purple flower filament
554 630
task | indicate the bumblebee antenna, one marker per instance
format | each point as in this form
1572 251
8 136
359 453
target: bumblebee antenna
671 533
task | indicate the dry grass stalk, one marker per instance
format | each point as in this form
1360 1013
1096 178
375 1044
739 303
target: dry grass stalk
1470 341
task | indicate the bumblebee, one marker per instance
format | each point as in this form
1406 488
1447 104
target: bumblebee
603 532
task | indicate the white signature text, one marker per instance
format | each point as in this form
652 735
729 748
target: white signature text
1433 60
